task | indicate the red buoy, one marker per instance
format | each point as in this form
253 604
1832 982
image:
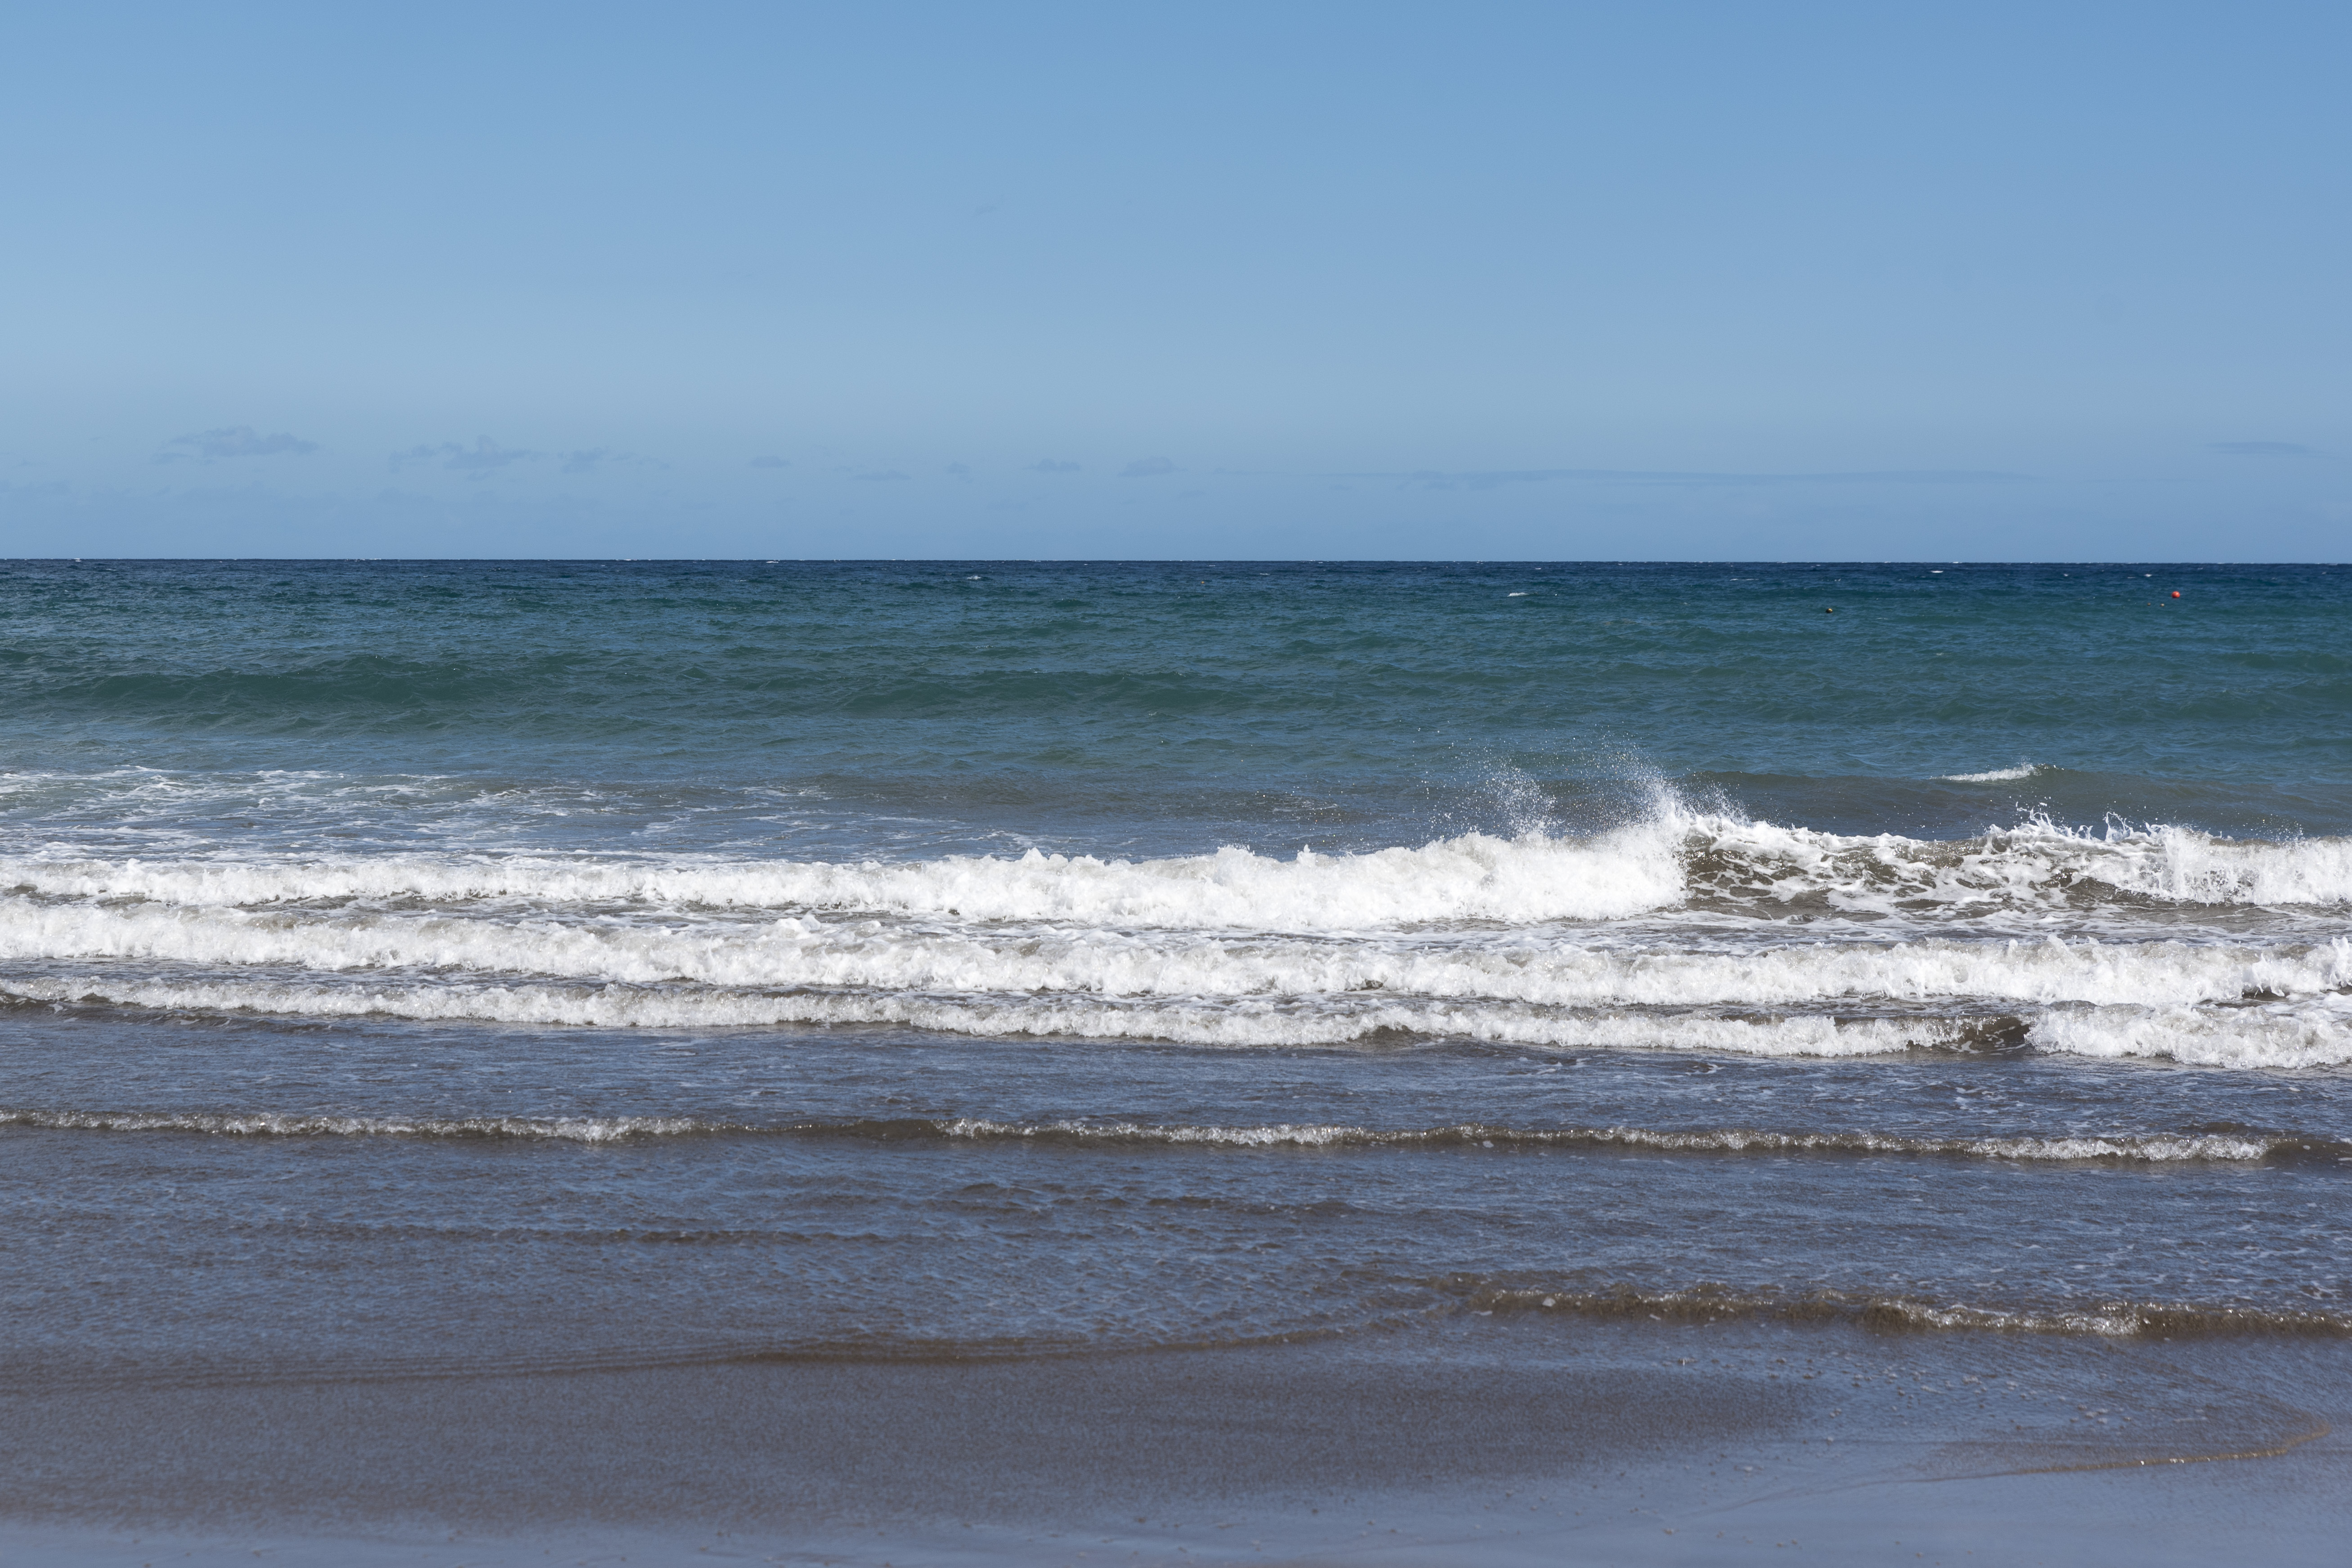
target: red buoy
2176 593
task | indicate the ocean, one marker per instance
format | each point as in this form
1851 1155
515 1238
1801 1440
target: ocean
989 1062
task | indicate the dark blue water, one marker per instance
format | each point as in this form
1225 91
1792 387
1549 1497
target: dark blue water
1212 702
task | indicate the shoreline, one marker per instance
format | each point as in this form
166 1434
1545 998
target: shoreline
1467 1442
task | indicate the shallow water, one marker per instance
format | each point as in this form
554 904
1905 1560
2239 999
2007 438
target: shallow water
486 970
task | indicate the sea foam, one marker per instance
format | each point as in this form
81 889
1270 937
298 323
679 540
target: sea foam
2128 1148
1675 855
803 952
1683 931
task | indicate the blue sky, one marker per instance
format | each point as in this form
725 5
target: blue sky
1675 281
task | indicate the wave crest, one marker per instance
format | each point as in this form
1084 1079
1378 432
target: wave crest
1682 931
1675 857
1890 1313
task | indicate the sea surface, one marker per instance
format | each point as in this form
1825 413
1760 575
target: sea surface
1934 979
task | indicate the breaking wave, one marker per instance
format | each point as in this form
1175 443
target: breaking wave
1683 931
802 952
1994 775
1675 856
2037 865
1472 878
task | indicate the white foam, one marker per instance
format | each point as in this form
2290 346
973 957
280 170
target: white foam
1281 1136
1654 866
2158 1148
1476 876
1998 776
2154 1148
266 1124
1250 1023
2038 865
1473 967
1533 940
2310 1032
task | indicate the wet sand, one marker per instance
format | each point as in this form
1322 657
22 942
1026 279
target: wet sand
1467 1442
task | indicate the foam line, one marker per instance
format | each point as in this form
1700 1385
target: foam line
2129 1148
806 953
1661 863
